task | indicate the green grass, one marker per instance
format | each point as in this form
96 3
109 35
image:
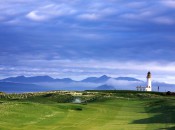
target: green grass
116 113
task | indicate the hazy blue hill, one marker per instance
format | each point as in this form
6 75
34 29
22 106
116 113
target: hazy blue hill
20 87
105 87
89 79
14 79
101 79
127 78
42 83
23 79
163 87
40 79
105 78
35 79
68 80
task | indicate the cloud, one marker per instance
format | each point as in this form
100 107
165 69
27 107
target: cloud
50 11
13 22
164 20
34 16
137 4
114 82
81 68
90 11
84 38
2 18
143 15
168 3
123 84
109 11
89 16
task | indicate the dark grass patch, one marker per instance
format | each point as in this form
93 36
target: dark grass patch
170 128
68 106
164 110
48 95
77 109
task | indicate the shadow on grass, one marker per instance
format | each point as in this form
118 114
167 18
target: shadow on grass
164 110
172 128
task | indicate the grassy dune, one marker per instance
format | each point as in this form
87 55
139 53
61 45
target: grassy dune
115 113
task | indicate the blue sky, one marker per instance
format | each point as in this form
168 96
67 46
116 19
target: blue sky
80 38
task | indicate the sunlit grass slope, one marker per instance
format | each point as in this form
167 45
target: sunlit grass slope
114 113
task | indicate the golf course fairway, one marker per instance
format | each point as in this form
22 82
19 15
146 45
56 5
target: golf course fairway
109 114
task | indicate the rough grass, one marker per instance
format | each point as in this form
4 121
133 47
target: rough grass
116 113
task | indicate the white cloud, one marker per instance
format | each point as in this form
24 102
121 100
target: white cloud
50 11
164 20
168 3
13 22
98 64
114 82
139 4
36 17
162 72
78 69
123 84
96 10
89 16
145 15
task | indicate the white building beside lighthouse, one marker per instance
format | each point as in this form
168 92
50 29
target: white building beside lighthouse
149 86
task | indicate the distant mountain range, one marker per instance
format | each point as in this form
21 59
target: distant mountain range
46 83
20 87
127 78
105 78
105 87
36 79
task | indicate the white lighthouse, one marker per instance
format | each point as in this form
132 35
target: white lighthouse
148 87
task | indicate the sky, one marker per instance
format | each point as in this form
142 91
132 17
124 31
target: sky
82 38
